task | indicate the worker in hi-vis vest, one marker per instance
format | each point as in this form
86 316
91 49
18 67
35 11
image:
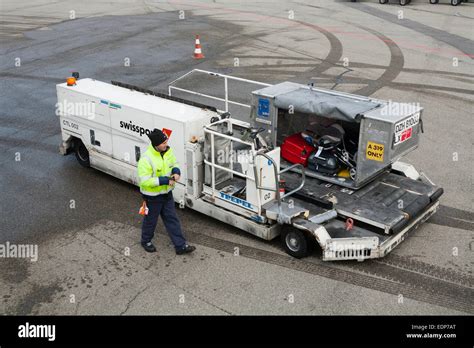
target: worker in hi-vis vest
158 172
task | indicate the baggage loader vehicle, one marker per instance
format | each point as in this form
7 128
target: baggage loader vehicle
233 169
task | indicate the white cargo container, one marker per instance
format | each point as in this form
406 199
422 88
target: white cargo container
116 120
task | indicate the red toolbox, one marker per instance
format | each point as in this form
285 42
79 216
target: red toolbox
296 150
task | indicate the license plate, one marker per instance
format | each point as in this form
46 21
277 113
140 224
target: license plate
404 129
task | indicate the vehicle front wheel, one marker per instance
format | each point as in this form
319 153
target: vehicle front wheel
434 1
295 242
82 154
455 2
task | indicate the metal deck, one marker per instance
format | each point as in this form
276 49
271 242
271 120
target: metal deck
387 204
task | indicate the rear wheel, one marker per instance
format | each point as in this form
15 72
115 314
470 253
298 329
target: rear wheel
383 1
403 2
434 1
82 154
455 2
295 242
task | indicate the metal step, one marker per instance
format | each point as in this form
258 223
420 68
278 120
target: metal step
285 213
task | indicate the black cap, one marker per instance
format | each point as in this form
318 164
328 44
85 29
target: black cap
157 137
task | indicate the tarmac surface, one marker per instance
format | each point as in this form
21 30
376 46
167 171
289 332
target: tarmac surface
85 222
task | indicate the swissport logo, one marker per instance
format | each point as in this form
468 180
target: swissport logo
134 128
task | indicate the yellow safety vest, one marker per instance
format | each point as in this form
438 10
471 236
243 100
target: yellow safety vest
151 166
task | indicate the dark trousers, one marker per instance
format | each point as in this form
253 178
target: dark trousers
162 205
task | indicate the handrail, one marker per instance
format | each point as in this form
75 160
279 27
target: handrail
226 89
228 170
212 131
207 96
277 189
303 178
212 73
214 165
276 171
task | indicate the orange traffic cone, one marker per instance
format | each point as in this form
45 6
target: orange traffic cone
197 50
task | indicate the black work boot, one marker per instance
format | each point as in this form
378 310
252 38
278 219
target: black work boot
185 250
149 247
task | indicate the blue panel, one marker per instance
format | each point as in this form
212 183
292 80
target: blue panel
263 107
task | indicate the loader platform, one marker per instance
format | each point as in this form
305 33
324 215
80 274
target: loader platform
385 206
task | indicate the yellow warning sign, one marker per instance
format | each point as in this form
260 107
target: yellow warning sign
374 151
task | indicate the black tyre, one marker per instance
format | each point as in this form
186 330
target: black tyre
455 2
295 242
434 1
82 154
383 1
403 2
